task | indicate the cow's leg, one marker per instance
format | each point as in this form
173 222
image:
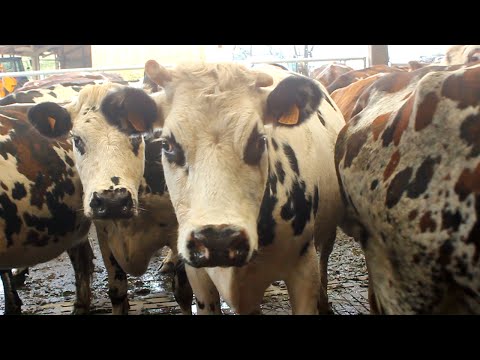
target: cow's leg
374 310
13 303
117 278
257 311
19 276
182 291
303 283
325 247
81 257
168 264
206 294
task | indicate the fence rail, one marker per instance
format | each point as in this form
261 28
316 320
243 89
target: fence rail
141 67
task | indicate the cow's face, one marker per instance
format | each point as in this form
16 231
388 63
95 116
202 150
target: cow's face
215 152
105 123
462 54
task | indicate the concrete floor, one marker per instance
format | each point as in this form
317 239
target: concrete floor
49 289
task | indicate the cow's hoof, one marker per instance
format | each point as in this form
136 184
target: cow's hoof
121 309
325 310
330 309
80 310
13 310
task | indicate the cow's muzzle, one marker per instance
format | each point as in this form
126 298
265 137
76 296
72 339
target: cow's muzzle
112 204
218 245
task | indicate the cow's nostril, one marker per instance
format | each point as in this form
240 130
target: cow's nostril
200 253
218 245
96 202
232 254
112 204
126 203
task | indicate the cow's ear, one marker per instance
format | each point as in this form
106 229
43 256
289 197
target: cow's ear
292 101
157 73
50 119
131 110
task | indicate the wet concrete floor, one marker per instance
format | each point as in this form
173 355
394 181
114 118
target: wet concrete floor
50 287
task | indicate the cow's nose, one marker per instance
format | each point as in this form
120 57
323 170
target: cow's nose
218 245
112 204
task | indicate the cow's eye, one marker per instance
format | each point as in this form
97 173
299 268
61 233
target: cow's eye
474 57
136 140
255 148
172 150
79 144
167 146
262 142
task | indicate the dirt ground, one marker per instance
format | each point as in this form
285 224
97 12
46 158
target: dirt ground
50 287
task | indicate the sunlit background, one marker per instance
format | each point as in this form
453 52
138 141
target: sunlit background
138 54
54 57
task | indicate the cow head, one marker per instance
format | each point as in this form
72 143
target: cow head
462 54
215 151
105 123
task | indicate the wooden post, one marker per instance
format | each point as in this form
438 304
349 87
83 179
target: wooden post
378 55
36 64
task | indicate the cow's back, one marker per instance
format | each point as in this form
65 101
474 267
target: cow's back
408 170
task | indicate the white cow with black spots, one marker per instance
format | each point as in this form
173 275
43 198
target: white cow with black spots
248 161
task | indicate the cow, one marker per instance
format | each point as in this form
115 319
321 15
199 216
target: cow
462 54
60 88
63 88
346 97
408 164
72 79
355 75
415 65
328 73
120 169
239 148
40 195
57 88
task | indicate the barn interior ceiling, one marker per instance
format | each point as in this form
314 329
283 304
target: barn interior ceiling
28 50
68 56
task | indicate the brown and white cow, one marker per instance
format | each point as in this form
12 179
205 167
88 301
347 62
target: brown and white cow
408 163
57 88
124 190
40 198
355 75
346 97
328 73
462 54
60 88
248 161
72 79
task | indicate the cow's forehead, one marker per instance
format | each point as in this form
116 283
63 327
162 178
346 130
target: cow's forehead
213 98
91 97
213 78
207 124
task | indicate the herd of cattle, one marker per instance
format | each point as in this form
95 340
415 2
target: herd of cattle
245 174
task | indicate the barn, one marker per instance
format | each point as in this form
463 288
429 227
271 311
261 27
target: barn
388 226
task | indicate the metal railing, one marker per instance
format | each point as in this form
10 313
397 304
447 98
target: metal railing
65 71
141 67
